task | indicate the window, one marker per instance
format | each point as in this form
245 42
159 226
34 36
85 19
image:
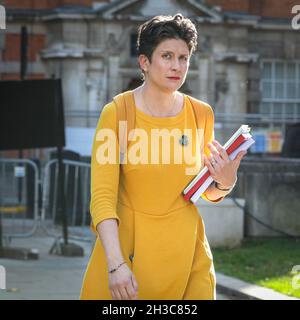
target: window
133 39
280 88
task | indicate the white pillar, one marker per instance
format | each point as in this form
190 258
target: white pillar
74 89
236 97
206 79
114 78
96 88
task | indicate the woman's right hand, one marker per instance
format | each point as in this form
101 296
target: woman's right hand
122 284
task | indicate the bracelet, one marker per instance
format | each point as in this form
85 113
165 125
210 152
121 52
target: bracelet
115 269
216 185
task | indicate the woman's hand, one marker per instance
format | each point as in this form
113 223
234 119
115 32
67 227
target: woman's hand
222 169
122 284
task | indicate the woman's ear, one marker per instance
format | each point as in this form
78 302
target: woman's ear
143 62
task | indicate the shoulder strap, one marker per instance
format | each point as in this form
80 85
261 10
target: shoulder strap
197 107
125 112
196 104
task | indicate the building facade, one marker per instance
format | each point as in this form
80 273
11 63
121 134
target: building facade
247 60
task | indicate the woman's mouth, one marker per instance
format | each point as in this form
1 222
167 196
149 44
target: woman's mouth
174 78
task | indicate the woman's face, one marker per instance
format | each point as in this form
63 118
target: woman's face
169 65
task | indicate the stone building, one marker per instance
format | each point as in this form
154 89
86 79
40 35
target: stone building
247 60
247 67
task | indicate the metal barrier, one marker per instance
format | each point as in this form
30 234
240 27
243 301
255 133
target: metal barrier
76 190
269 130
19 198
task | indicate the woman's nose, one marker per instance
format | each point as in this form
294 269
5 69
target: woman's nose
176 64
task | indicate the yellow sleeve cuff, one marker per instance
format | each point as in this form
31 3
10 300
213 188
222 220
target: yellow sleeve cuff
97 220
203 196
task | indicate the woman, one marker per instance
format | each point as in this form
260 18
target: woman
151 243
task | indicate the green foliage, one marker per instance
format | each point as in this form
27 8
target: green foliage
265 262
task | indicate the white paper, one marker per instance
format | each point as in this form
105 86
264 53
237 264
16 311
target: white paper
203 187
244 146
244 129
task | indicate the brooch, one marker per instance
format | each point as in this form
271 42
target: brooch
183 140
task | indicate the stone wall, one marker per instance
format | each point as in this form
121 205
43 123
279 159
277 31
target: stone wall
271 189
224 222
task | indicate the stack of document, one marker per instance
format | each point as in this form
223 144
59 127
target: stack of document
241 140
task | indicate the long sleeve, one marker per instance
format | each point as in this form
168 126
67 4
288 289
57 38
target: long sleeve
105 168
209 137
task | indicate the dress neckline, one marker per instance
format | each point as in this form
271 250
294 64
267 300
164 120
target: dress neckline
159 120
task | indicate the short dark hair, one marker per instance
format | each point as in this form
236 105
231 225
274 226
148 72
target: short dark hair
159 28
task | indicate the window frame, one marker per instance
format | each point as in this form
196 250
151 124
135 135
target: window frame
285 101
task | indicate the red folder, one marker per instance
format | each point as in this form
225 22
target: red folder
235 144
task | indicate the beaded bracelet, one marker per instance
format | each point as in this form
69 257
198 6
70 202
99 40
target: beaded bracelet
115 269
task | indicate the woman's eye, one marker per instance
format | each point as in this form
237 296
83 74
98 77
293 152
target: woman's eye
167 56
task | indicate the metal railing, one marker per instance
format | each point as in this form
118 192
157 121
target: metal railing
76 190
29 204
270 129
232 117
19 198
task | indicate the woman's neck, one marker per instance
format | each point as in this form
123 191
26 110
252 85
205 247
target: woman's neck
169 102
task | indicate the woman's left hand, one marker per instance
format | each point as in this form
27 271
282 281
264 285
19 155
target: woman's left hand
222 169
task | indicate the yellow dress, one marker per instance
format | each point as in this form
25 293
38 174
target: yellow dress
164 233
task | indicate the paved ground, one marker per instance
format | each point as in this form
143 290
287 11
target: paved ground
50 277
